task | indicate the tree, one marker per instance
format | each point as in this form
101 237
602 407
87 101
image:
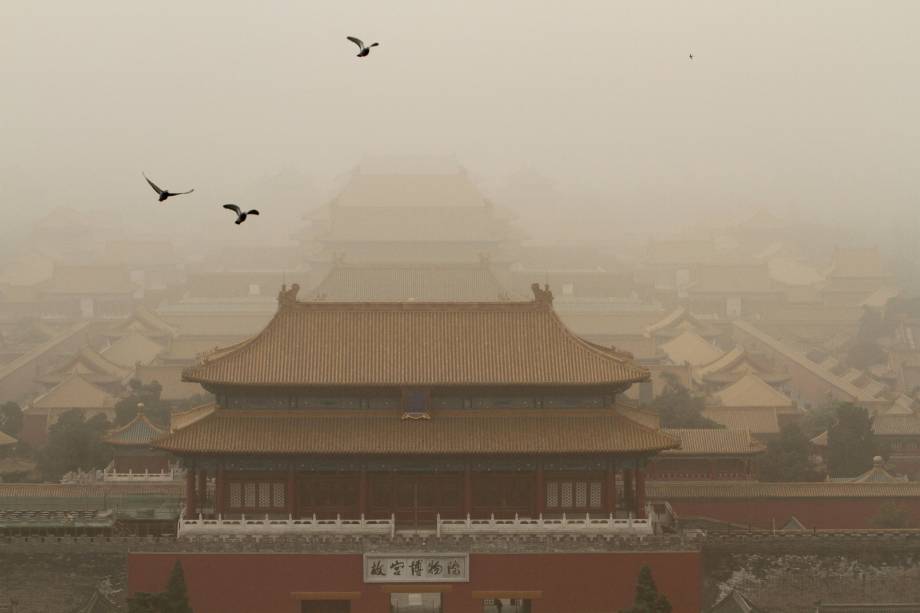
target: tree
677 407
176 596
10 418
648 600
850 441
788 457
173 600
147 394
75 443
890 515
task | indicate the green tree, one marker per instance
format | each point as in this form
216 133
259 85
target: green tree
173 600
850 441
147 394
648 600
788 457
10 418
75 443
891 515
677 407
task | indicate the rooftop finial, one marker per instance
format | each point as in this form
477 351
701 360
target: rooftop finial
140 408
542 296
288 297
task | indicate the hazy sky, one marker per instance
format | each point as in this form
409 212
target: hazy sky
792 105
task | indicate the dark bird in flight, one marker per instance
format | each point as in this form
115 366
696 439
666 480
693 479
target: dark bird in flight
364 50
691 56
164 194
240 214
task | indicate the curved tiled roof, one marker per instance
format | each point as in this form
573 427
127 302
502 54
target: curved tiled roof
138 431
752 391
673 490
459 432
714 441
6 439
408 343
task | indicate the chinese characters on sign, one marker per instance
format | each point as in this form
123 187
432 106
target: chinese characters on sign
412 568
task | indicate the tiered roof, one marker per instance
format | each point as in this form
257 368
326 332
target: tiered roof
426 344
445 432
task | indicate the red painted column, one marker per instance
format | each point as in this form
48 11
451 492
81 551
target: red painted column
640 491
611 486
628 489
219 490
362 491
467 489
540 490
202 489
291 501
191 505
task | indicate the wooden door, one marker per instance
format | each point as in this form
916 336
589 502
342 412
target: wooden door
325 606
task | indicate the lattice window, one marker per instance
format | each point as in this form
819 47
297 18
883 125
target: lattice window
581 494
249 495
236 495
595 495
278 494
552 495
565 495
265 495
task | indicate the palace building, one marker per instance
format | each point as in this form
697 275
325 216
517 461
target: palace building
427 456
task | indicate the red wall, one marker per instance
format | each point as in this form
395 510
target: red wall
571 583
821 513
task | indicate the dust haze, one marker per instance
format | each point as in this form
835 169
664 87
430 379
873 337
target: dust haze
806 109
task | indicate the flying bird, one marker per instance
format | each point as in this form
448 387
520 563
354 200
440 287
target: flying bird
364 50
164 194
240 214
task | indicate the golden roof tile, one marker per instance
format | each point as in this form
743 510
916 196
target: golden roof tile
410 343
458 432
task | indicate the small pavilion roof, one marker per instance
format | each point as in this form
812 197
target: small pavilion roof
876 474
691 348
734 602
140 431
347 432
752 391
415 343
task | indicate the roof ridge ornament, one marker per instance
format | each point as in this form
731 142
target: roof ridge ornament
288 297
542 296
